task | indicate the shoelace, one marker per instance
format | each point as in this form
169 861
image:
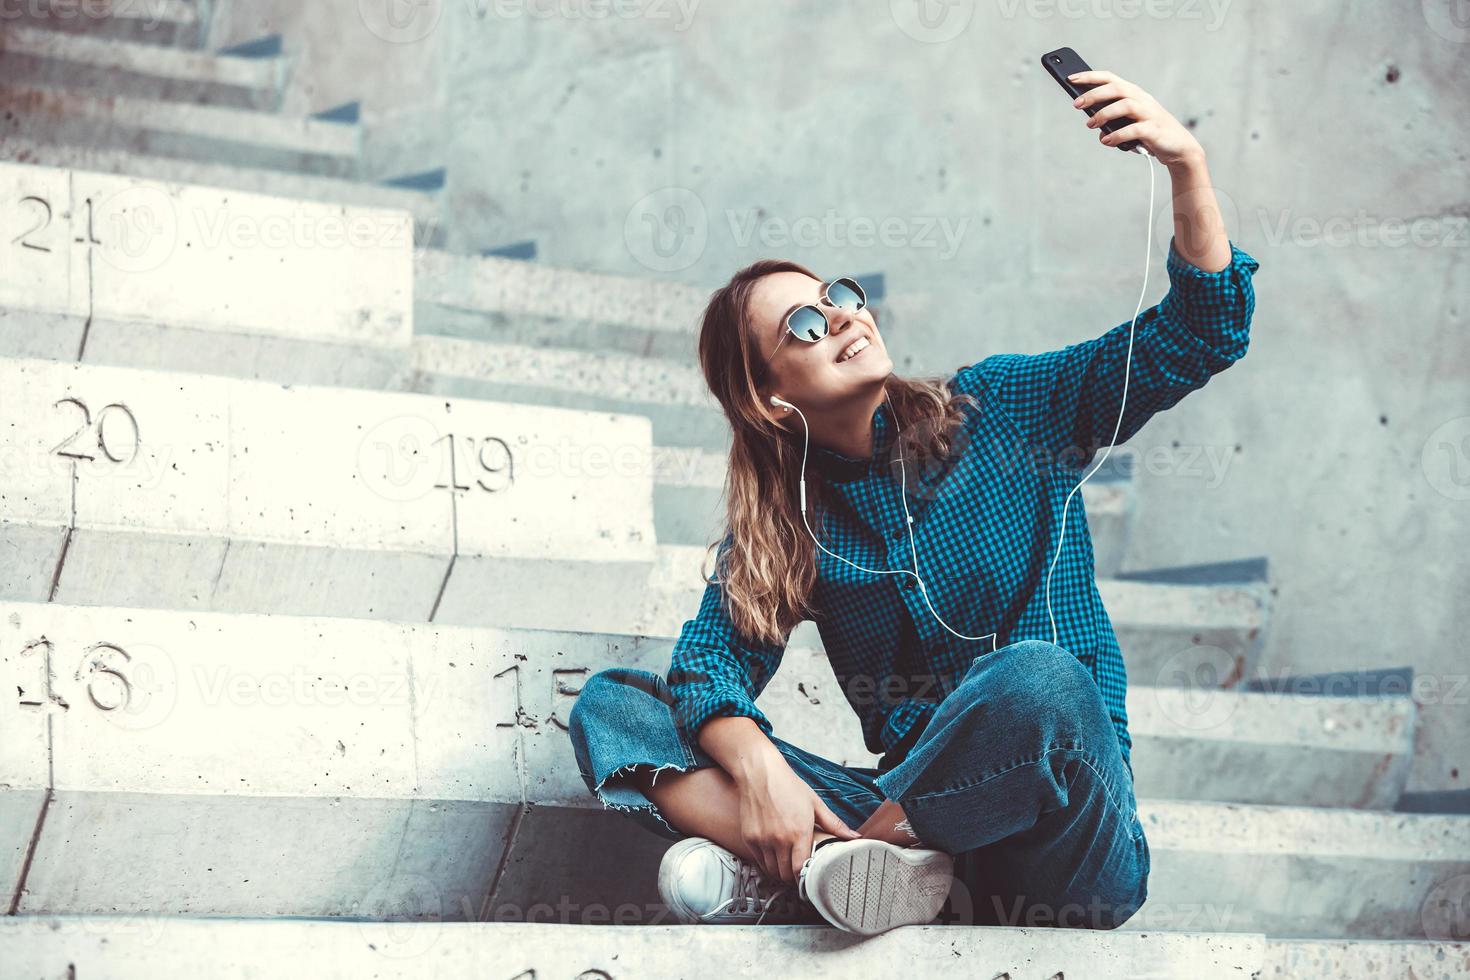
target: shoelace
747 897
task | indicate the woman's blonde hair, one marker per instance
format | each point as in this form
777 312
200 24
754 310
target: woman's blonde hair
770 568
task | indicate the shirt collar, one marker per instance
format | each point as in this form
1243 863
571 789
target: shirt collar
842 468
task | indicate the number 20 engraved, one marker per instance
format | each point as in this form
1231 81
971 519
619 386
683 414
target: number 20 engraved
65 448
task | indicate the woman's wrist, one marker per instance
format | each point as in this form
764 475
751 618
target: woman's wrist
740 747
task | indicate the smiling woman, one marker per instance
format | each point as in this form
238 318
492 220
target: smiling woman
766 829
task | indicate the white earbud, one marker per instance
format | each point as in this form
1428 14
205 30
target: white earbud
778 401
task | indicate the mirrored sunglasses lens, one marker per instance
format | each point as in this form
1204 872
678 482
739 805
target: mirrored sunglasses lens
808 323
847 294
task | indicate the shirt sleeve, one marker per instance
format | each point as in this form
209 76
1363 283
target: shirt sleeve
1067 400
715 670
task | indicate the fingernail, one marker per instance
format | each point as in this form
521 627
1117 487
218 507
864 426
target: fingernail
1077 101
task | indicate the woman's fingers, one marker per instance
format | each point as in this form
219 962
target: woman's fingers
831 822
1138 131
1117 110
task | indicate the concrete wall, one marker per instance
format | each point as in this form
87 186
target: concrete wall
680 139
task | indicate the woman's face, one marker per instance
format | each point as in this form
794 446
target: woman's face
815 374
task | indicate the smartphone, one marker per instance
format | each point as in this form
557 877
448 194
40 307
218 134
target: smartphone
1063 62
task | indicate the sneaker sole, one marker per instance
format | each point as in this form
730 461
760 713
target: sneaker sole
874 887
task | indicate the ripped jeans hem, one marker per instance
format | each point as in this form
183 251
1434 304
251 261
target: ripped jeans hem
647 804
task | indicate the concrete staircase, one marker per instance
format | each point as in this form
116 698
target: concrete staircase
133 88
284 611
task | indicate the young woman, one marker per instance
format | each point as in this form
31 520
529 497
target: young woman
985 669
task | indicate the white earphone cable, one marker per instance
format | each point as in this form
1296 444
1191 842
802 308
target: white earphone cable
903 471
1127 368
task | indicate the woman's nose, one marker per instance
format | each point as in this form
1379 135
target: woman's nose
839 319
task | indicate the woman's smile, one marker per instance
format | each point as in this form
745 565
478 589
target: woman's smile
854 349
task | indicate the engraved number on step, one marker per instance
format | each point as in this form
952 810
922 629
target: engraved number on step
521 717
42 210
564 687
116 431
593 974
102 668
43 694
493 466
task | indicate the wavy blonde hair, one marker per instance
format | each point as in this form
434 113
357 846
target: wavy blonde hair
770 568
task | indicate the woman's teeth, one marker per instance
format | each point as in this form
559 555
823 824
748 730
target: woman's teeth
856 348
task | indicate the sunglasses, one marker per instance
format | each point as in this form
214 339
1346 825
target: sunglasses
809 322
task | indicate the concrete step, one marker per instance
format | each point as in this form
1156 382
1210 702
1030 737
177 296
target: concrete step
126 271
373 758
514 302
146 947
671 393
34 56
161 22
1305 959
171 129
1198 637
192 492
151 947
425 206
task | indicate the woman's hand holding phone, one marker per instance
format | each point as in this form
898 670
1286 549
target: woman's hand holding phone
1166 138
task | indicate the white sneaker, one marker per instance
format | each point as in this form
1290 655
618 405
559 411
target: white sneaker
870 886
700 881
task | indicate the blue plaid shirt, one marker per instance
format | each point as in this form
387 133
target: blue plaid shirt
986 520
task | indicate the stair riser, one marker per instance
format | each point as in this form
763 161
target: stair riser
108 80
425 206
241 495
145 139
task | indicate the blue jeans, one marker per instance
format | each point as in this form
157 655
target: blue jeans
1018 775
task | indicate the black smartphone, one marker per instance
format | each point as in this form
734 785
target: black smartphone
1063 62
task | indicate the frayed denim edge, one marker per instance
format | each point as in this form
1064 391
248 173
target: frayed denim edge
651 807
